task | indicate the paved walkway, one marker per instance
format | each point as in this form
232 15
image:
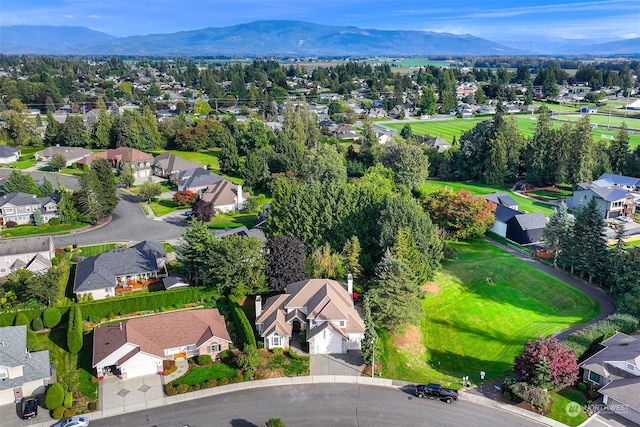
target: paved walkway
183 368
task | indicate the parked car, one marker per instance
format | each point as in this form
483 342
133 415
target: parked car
73 422
29 408
436 391
188 214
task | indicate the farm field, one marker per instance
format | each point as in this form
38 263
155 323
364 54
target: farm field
525 204
449 128
470 325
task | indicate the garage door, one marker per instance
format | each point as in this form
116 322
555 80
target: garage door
329 342
140 370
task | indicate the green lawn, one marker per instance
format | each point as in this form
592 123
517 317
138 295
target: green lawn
200 374
471 326
604 120
32 230
290 367
74 371
88 251
525 204
560 401
163 206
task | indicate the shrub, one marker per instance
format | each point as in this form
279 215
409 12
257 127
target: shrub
68 400
10 224
183 388
248 374
537 396
295 356
203 359
54 221
243 326
51 317
212 383
93 406
69 412
580 342
58 412
36 324
275 422
74 330
582 387
54 396
248 359
32 340
22 319
277 350
226 355
170 390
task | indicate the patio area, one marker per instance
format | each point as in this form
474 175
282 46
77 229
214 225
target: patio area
137 285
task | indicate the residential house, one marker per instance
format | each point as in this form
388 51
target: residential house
241 231
520 227
613 201
19 207
121 270
628 183
33 253
225 196
196 179
137 347
440 144
167 164
322 307
139 161
377 113
71 154
615 371
22 373
8 154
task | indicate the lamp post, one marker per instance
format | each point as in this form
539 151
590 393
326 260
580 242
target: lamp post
373 358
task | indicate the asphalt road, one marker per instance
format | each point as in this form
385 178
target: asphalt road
340 405
128 223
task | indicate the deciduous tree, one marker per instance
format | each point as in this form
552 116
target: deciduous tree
203 211
285 261
460 214
547 361
58 161
149 189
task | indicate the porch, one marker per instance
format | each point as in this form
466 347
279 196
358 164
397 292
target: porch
127 286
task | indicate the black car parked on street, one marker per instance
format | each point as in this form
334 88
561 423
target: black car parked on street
436 391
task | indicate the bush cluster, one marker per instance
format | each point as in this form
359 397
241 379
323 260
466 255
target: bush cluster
295 356
582 341
36 324
58 412
203 359
51 317
243 326
172 390
277 350
54 397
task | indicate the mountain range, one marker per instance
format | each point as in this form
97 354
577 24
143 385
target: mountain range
284 38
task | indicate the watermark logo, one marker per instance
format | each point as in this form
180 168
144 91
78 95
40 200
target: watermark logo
573 409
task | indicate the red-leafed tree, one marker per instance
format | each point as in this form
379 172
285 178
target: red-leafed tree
460 214
547 362
185 198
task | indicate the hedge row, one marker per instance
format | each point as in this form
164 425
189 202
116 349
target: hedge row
146 301
295 356
8 319
582 341
243 326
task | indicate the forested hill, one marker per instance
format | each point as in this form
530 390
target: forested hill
253 39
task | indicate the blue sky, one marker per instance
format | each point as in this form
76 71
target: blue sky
492 19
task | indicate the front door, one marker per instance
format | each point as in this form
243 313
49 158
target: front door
17 394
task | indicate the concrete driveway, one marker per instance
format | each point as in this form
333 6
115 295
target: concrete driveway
349 364
10 415
119 396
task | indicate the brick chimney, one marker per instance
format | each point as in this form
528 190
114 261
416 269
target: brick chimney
350 284
258 306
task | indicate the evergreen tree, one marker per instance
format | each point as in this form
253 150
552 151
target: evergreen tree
37 218
229 159
192 251
351 256
582 152
101 136
72 132
67 211
51 132
285 261
589 247
20 182
255 172
74 330
370 339
46 187
368 139
427 102
557 234
536 154
395 296
619 151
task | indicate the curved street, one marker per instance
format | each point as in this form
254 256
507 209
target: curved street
321 405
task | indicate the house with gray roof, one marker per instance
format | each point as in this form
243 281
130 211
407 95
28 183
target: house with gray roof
22 373
520 227
613 201
20 207
438 143
240 231
323 308
167 164
8 154
225 196
628 183
71 154
196 179
615 371
120 270
33 253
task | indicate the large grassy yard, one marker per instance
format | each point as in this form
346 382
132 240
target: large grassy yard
470 325
525 204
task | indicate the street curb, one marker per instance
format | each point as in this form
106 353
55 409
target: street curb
289 381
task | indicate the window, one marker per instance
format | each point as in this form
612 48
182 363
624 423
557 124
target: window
215 348
341 323
594 377
275 340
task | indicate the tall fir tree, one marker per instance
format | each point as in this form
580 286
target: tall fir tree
557 233
619 151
